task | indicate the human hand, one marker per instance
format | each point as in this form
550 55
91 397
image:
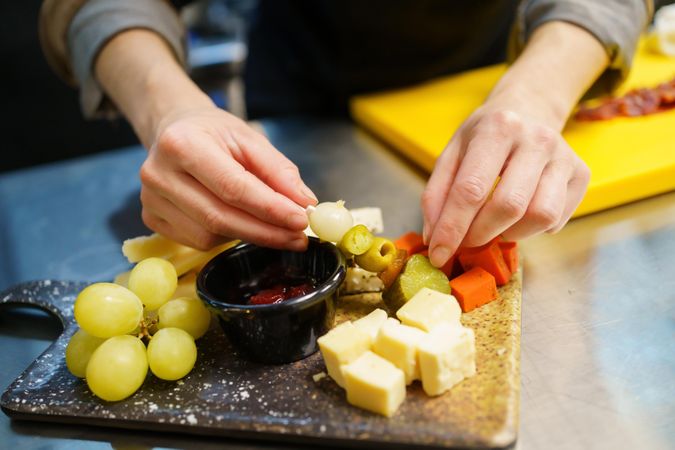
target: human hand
209 178
542 181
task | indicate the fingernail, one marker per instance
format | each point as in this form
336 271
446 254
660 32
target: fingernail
425 234
308 193
297 221
298 244
440 255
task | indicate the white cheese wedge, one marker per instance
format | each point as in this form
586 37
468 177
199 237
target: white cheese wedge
372 323
358 281
342 345
398 344
429 308
446 355
375 384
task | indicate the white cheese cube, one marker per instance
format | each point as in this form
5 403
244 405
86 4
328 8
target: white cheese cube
446 355
375 384
398 344
372 323
429 308
342 345
370 217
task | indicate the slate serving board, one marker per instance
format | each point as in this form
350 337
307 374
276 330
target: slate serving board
228 396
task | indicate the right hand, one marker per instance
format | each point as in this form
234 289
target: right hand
210 178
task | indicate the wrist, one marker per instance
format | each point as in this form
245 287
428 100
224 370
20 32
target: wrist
528 101
169 92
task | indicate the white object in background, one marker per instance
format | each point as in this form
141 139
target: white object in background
662 35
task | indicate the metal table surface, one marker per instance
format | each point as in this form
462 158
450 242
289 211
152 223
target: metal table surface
598 324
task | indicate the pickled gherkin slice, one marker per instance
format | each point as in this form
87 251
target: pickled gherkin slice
356 241
417 274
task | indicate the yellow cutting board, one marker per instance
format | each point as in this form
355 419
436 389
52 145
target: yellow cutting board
630 158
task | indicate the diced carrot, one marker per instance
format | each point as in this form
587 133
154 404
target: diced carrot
490 258
452 268
510 253
411 242
474 288
449 267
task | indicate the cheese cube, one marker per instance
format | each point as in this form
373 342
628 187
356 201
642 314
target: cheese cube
372 323
375 384
398 344
342 345
447 355
429 308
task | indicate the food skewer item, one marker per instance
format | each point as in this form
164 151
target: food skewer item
417 273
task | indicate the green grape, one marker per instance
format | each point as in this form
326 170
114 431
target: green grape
330 220
186 313
79 350
171 353
117 368
154 280
105 310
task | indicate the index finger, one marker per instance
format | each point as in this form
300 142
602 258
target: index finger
482 164
233 184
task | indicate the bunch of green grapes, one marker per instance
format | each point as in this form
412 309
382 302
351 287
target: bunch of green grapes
109 349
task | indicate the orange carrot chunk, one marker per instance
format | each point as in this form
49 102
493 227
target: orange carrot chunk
510 253
489 257
411 242
474 289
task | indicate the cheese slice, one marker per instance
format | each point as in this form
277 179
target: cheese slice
429 308
122 278
155 245
342 345
375 384
187 286
447 355
398 344
372 323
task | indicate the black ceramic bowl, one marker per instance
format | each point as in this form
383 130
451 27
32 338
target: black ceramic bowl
276 333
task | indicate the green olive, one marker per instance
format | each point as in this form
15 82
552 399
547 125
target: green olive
356 241
379 255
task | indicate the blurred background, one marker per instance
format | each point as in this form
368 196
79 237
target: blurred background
40 119
40 116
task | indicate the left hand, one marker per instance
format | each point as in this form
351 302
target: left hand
542 181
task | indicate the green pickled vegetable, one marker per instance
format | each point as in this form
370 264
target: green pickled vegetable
379 255
417 274
356 241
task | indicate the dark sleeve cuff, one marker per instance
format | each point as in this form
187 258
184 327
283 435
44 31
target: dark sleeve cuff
97 22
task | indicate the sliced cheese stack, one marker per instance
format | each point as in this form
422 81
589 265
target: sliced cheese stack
398 343
342 345
375 384
374 357
447 352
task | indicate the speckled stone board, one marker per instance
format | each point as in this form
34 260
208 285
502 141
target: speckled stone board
228 396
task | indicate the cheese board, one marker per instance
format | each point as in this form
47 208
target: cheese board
226 395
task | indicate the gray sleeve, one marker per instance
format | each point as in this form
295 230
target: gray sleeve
100 20
617 24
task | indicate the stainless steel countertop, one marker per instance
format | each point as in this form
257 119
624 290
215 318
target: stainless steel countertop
598 325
